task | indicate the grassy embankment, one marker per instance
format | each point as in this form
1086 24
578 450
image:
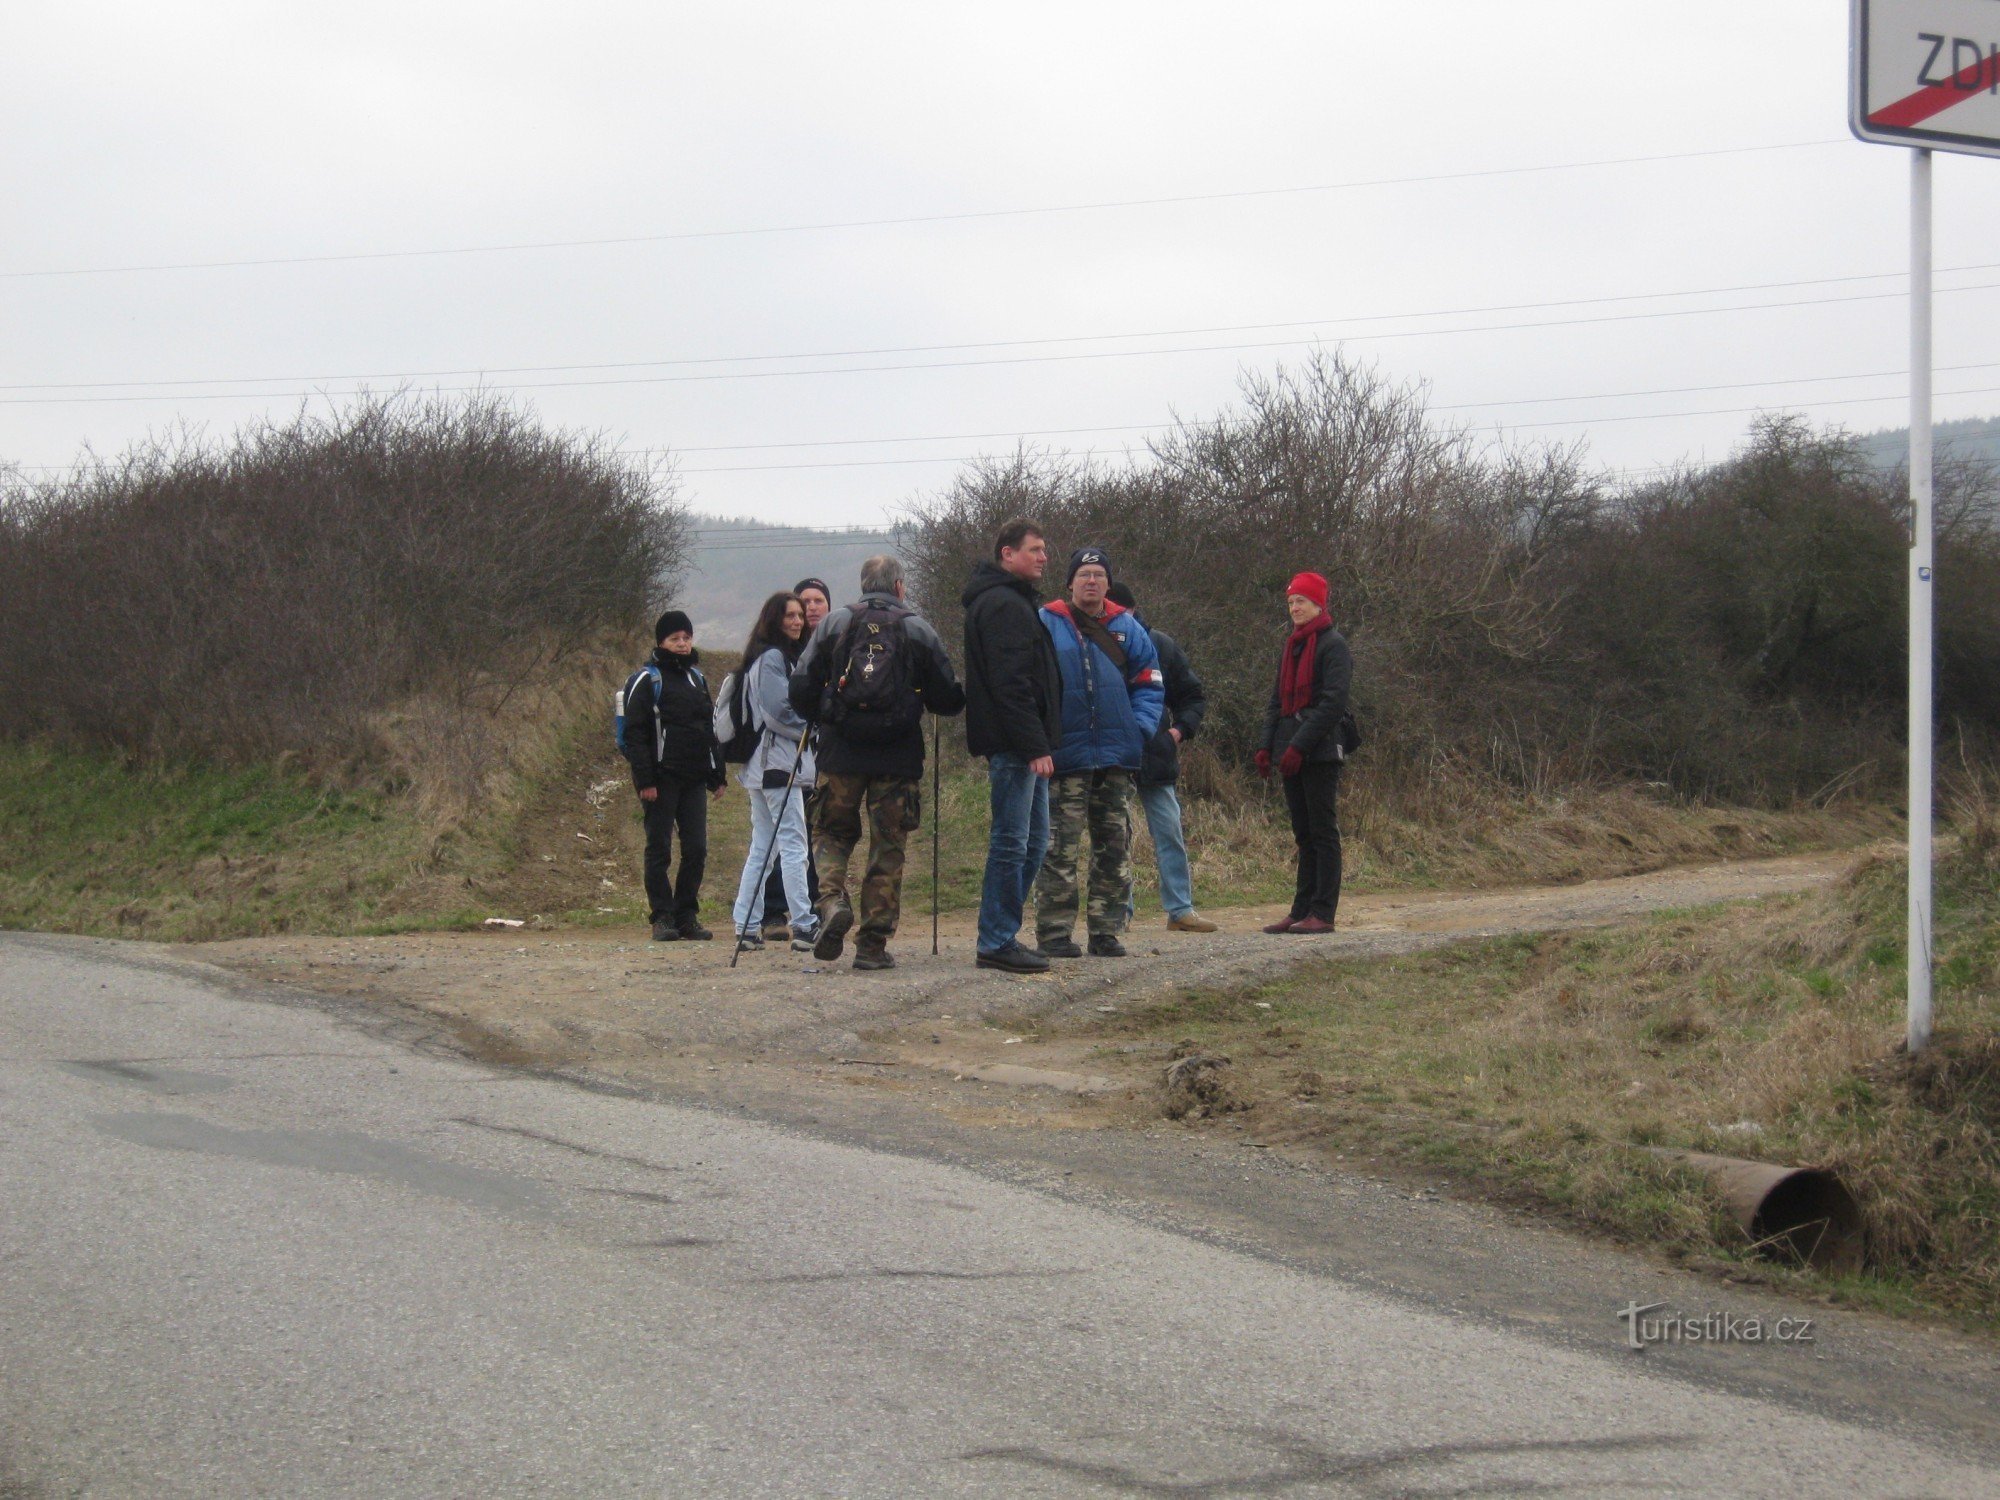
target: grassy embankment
1539 1068
190 852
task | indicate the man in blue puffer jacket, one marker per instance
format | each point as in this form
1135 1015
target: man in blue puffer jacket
1113 694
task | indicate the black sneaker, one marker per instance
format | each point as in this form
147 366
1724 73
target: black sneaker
1058 948
1014 959
833 934
882 960
693 932
749 940
1106 945
666 932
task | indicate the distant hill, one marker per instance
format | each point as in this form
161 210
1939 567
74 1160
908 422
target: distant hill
1975 436
738 563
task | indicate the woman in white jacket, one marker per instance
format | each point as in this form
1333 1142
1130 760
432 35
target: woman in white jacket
777 776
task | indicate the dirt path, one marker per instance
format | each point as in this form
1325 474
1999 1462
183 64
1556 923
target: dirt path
614 1004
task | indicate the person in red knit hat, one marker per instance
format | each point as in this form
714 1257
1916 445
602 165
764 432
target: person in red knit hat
1307 734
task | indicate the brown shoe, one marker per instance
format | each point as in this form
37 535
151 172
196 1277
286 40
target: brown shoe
1310 927
1192 922
1283 924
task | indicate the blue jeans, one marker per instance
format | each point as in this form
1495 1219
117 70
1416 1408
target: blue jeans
1015 848
1163 820
779 816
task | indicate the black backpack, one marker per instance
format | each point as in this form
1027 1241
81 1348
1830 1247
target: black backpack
872 700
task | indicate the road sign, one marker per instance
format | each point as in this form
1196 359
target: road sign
1926 73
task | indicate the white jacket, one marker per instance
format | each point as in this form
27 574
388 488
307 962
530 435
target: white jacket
768 684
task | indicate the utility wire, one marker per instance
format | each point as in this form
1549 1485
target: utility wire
954 364
963 216
483 371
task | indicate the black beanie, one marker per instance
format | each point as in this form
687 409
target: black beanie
671 621
1120 594
813 583
1083 557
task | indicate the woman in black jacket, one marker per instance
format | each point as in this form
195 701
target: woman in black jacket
669 737
1306 735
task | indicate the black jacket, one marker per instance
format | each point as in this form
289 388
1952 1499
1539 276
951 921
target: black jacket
1187 706
931 676
1013 685
1318 732
681 724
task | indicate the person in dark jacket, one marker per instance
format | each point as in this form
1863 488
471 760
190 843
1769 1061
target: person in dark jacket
869 764
1159 773
1113 696
1306 737
670 741
1013 717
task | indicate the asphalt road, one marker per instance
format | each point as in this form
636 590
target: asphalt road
249 1249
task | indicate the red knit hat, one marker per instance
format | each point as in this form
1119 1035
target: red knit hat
1311 585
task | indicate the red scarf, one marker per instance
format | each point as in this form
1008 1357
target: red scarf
1295 667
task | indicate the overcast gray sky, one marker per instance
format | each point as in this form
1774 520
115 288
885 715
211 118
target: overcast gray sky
164 136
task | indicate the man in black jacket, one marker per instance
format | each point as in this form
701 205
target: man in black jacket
1013 689
669 739
871 760
1159 774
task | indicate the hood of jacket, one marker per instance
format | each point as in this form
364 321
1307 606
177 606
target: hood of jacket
988 574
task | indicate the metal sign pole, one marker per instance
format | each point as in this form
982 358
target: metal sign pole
1921 610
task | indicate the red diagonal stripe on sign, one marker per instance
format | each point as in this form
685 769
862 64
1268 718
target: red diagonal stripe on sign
1936 98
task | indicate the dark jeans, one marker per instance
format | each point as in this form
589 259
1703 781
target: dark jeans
683 805
1309 797
774 891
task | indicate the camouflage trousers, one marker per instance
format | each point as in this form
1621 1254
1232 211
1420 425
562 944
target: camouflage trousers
894 809
1101 802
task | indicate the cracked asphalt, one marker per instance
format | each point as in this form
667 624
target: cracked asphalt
260 1241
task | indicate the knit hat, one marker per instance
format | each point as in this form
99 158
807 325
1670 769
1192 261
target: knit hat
670 622
813 583
1084 557
1310 585
1120 594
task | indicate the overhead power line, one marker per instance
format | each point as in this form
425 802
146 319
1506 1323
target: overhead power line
484 371
957 216
1063 358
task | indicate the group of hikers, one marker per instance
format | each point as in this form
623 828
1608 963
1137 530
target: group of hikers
1077 707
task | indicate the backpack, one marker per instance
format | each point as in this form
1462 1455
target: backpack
623 695
873 700
734 729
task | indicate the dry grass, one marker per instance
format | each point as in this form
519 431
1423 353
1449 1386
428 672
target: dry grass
1544 1065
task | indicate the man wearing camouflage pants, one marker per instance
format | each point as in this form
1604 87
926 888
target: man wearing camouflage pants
870 673
1113 695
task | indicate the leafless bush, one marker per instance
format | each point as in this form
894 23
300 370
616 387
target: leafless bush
289 589
1517 620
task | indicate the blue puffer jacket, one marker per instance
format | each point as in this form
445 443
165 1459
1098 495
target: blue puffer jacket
1107 717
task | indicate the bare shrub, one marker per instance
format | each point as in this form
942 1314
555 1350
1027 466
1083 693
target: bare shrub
1518 621
305 589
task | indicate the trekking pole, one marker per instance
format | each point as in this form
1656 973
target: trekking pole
937 821
784 803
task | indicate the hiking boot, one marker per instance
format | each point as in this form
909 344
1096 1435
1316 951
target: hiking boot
1311 927
833 933
1014 959
802 938
776 932
749 940
1190 922
1283 924
693 932
666 932
1106 945
1058 948
875 959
